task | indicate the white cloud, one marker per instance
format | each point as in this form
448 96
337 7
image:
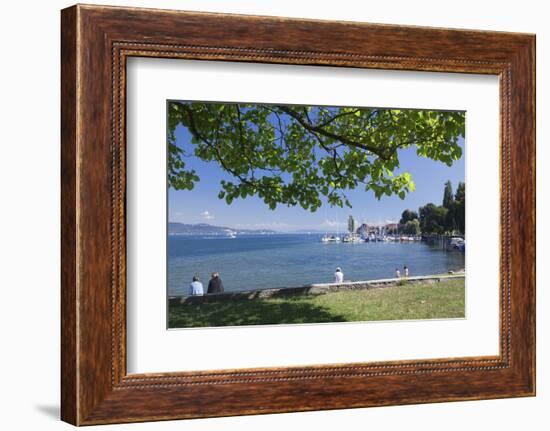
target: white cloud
380 222
206 215
333 223
274 226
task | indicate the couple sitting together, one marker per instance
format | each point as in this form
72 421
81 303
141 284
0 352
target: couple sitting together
215 285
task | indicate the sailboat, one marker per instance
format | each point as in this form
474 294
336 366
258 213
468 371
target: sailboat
230 233
332 238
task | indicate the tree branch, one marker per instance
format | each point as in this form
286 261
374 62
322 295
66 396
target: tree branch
313 128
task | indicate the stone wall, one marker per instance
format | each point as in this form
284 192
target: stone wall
313 289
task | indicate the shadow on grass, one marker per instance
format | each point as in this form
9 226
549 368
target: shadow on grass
249 312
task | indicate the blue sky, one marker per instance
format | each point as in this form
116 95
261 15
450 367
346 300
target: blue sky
201 205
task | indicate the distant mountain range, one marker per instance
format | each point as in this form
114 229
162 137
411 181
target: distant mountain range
208 229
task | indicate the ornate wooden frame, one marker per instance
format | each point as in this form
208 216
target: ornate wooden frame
95 43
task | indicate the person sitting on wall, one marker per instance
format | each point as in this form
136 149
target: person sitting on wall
215 285
338 275
397 273
195 288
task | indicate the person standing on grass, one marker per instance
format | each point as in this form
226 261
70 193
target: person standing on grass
195 288
338 275
397 273
406 271
215 285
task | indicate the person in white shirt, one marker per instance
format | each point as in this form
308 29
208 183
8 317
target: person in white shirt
406 271
195 288
338 276
397 273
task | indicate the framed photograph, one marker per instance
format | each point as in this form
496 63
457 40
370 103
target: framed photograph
265 215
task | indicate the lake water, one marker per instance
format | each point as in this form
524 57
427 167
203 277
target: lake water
286 260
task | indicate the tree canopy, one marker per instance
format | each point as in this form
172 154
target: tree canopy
408 215
412 227
447 218
460 207
302 155
448 198
433 218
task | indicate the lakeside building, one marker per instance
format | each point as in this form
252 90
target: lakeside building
378 229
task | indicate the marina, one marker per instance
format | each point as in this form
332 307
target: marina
390 232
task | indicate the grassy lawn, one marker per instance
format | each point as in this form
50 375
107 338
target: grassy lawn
408 301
